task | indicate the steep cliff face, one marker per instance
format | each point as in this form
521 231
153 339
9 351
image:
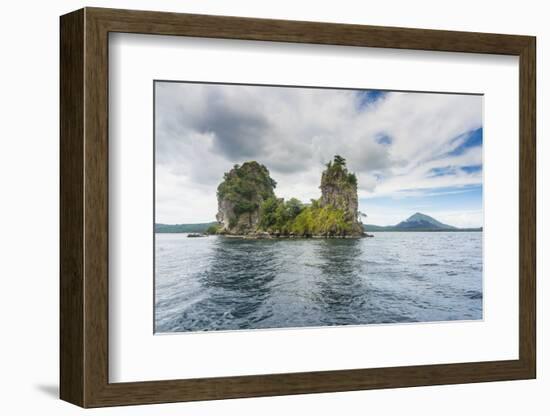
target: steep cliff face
339 191
240 196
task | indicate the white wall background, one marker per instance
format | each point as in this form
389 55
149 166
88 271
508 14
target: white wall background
29 208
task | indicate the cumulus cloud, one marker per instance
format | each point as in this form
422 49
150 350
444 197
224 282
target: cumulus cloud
396 142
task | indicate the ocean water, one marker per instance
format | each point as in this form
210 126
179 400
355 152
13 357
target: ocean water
218 283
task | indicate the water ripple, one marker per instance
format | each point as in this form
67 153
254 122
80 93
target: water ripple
217 283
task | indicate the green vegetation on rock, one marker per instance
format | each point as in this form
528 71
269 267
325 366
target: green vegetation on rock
337 174
246 186
240 196
295 218
247 204
325 221
277 216
339 191
212 229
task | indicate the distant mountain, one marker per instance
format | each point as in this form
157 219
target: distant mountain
418 222
423 221
183 228
372 227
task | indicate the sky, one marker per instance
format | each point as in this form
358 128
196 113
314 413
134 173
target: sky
411 152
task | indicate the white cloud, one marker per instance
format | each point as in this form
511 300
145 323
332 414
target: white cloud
461 219
202 130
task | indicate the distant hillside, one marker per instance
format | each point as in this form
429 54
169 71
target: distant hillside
418 222
372 227
183 228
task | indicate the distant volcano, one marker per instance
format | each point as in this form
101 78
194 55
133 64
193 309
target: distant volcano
424 222
418 222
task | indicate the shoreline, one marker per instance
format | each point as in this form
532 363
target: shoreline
465 230
293 237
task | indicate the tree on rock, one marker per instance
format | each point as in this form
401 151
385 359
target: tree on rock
240 196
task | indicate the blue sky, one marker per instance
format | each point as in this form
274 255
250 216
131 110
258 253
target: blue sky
367 98
458 205
411 152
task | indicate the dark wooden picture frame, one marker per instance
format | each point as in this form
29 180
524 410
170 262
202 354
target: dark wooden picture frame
84 207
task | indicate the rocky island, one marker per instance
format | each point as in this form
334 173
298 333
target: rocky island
248 206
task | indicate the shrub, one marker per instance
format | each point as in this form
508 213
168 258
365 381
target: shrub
246 186
213 229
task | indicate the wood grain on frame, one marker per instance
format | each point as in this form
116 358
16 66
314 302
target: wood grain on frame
84 207
71 219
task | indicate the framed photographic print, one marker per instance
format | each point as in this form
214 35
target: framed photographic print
255 207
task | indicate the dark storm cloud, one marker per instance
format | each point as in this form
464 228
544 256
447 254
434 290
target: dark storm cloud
237 133
371 158
184 112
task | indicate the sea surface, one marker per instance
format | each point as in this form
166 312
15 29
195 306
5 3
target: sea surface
219 283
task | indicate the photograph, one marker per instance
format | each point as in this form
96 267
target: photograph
280 206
